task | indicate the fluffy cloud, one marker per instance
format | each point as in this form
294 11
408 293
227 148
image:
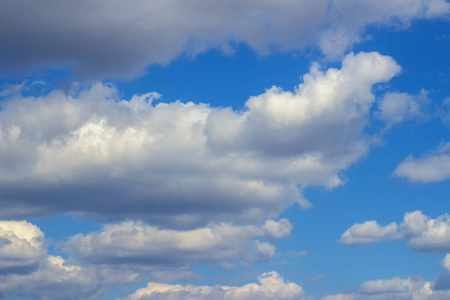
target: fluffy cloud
271 286
139 245
394 289
369 232
432 167
424 234
21 246
185 164
112 38
27 271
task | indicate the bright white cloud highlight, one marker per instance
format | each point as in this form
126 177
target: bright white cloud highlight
431 167
271 286
21 246
186 164
138 244
111 38
423 233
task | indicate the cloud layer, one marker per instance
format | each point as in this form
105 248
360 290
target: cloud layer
185 164
113 38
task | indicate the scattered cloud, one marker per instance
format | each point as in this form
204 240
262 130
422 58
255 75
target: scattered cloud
431 167
314 279
111 38
271 286
397 107
423 233
369 232
185 164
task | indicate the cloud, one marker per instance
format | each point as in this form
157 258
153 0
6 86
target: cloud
423 233
135 244
444 111
271 286
432 167
21 246
369 232
394 289
27 271
314 279
111 38
185 164
397 107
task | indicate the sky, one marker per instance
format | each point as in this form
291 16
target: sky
238 150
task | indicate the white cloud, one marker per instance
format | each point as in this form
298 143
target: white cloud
110 38
136 244
446 262
432 167
21 246
398 107
271 286
394 289
424 234
186 164
27 271
369 232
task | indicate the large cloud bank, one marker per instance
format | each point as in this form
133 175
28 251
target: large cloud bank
185 164
115 38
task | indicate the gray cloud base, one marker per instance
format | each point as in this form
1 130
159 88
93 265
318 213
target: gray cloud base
115 38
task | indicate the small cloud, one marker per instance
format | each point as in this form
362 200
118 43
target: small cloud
314 279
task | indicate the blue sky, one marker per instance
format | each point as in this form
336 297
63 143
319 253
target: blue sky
225 150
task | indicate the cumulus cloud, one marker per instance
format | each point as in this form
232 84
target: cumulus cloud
186 164
423 233
21 246
139 245
413 288
112 38
27 271
369 232
431 167
271 286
